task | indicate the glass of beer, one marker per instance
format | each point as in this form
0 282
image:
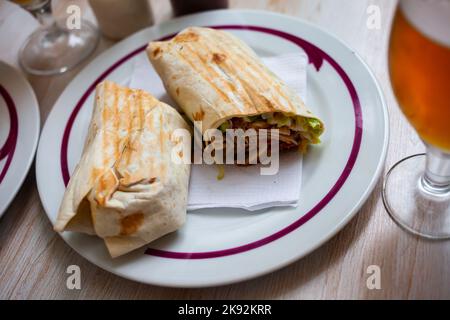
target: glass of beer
416 190
58 45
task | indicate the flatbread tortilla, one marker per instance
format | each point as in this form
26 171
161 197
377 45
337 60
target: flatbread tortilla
126 189
215 77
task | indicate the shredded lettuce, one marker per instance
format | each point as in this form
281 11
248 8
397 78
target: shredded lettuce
221 171
252 118
300 124
284 122
315 128
224 126
314 124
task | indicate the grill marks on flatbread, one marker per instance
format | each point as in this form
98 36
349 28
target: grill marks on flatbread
213 70
246 77
121 141
126 189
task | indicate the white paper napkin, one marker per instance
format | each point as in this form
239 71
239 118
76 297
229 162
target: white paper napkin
16 24
242 187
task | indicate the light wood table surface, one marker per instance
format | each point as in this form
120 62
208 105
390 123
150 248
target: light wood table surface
33 258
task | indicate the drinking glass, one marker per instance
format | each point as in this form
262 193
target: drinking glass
416 190
54 47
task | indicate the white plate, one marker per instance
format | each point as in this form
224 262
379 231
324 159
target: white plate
19 132
219 246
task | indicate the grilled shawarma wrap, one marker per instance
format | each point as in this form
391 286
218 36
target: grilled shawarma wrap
219 80
126 189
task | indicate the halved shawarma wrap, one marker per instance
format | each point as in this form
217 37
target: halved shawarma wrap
126 189
219 80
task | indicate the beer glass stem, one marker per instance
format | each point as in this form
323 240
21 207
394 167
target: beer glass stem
43 13
436 179
55 47
46 19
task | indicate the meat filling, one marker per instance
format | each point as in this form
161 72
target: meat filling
288 139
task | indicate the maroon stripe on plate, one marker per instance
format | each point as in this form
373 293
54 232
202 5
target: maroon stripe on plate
8 148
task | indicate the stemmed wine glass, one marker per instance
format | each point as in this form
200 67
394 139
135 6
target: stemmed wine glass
416 190
55 48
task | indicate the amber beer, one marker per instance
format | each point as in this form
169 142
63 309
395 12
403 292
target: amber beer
419 63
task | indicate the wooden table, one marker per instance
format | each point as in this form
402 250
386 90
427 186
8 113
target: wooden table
33 258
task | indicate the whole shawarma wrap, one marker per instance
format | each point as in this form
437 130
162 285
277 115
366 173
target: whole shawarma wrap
126 189
220 82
